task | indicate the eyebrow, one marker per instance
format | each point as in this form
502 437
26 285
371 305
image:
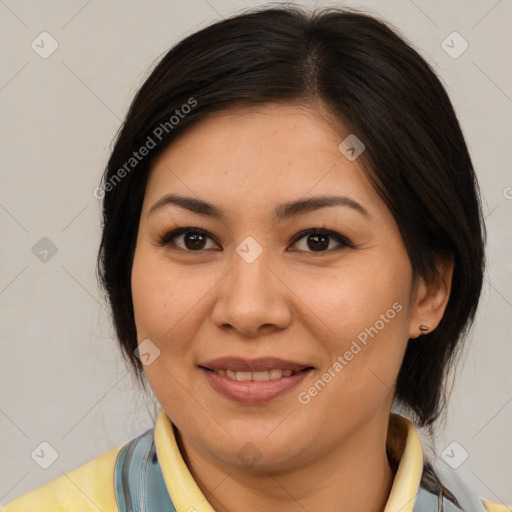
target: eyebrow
281 212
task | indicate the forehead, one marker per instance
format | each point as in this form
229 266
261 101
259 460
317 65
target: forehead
260 155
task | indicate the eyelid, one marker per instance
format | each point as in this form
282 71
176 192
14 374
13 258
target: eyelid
338 237
169 236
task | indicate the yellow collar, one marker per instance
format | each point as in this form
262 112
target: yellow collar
403 444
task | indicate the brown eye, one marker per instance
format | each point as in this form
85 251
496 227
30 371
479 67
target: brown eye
193 241
187 239
319 240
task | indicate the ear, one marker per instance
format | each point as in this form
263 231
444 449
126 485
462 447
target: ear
431 298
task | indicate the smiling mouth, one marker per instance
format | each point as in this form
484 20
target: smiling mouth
260 376
254 381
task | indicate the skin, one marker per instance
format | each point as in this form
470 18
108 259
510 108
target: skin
291 302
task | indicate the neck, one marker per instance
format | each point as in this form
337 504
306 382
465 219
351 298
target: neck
355 477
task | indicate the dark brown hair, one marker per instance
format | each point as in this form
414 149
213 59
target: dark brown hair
380 89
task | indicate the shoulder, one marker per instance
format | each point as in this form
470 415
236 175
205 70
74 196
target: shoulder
444 485
495 507
88 488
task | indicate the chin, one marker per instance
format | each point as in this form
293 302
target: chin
261 451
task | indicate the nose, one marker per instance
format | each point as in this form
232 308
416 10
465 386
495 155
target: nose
253 298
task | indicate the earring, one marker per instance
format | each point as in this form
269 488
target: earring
423 328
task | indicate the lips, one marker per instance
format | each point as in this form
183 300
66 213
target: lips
253 381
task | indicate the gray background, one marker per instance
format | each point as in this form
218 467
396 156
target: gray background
62 379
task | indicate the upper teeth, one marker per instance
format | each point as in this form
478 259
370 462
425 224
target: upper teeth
257 376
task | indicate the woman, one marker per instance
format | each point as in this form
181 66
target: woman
292 243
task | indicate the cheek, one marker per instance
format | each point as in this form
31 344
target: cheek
362 313
149 300
347 300
165 311
166 299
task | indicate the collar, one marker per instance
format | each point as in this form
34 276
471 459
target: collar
403 446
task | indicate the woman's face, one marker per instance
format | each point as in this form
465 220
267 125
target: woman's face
335 308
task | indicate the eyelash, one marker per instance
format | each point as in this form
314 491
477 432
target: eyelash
343 241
